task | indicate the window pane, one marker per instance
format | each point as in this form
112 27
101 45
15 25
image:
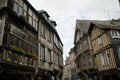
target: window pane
49 55
30 12
43 30
42 54
100 40
13 29
34 23
25 14
49 35
22 45
3 3
17 42
20 11
30 20
11 40
21 3
34 15
15 7
25 7
118 50
104 58
16 1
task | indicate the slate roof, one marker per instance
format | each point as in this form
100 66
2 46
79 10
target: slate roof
84 25
107 26
112 25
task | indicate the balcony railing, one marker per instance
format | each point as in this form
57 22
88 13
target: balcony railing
10 57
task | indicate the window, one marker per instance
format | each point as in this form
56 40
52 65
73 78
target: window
22 45
30 20
16 1
17 42
104 58
42 53
3 3
11 41
55 58
49 55
115 34
21 39
30 12
25 7
15 7
118 51
100 41
20 11
20 8
49 35
20 2
43 30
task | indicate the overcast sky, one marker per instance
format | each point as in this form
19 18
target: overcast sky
65 13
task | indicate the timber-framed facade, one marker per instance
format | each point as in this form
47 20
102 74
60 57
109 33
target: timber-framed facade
102 43
83 51
27 40
105 45
18 52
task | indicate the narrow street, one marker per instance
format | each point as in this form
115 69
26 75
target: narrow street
59 40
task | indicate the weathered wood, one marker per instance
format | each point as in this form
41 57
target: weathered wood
99 48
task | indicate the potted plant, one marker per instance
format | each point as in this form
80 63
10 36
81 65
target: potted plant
17 50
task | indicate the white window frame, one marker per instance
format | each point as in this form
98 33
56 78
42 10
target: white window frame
115 34
104 58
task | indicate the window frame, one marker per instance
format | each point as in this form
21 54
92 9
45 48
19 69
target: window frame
115 33
100 40
104 58
118 52
43 30
42 52
49 55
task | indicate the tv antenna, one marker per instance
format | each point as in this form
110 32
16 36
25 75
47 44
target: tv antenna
108 13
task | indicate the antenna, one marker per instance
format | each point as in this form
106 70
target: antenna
108 13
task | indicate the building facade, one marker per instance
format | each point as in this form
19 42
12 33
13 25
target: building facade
73 67
50 64
105 45
18 40
66 71
83 51
30 47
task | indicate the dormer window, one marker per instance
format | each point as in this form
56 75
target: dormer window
45 16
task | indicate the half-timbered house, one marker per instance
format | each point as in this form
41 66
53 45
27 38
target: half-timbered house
105 39
18 40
